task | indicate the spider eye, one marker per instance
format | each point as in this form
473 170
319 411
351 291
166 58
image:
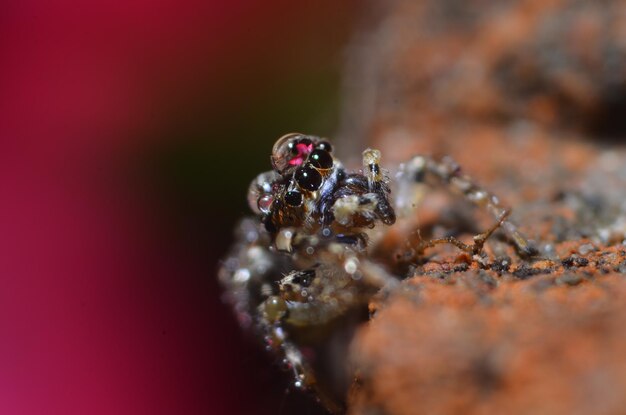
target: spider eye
324 145
321 159
308 178
293 198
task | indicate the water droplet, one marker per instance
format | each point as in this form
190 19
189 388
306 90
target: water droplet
242 275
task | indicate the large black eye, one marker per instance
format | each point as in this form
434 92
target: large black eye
293 198
321 159
308 178
324 145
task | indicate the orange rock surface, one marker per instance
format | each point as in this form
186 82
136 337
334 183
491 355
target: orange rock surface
530 98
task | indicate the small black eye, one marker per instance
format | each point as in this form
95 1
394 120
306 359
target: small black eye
321 159
324 145
293 198
308 178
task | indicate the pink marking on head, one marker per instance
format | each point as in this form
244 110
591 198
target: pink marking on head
304 148
303 151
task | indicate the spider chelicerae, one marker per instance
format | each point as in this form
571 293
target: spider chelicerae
300 273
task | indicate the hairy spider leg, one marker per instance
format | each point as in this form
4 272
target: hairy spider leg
292 358
420 168
320 305
294 361
475 248
377 184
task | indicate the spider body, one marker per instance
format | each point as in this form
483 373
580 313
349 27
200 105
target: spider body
307 181
300 273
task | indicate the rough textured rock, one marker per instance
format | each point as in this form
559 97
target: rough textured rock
478 342
530 98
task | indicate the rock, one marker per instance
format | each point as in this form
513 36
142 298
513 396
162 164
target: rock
528 97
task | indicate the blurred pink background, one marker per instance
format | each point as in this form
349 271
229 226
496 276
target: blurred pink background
130 131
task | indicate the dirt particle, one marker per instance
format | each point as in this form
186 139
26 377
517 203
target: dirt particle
575 261
524 272
501 264
586 248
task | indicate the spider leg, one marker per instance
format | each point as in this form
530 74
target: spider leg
318 295
276 338
317 298
421 169
294 361
273 312
377 184
473 249
363 199
293 308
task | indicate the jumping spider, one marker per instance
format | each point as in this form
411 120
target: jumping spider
300 273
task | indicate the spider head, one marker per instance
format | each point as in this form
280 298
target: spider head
294 150
303 172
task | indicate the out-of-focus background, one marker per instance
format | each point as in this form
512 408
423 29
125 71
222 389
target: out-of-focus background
130 131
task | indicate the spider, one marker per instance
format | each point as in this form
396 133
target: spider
300 273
